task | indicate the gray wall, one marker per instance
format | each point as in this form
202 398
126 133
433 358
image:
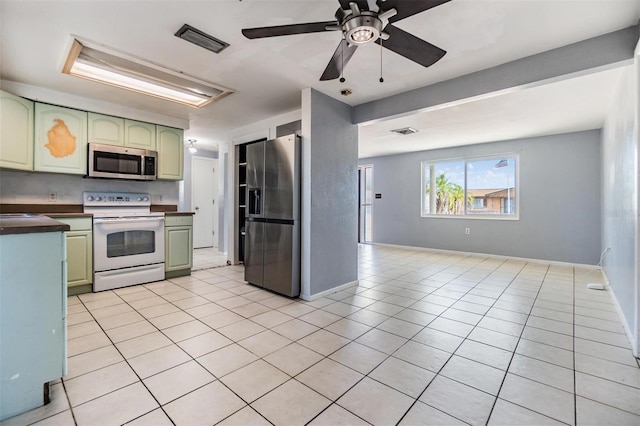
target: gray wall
18 187
559 201
620 198
330 157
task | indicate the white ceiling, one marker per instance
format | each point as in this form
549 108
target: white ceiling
268 74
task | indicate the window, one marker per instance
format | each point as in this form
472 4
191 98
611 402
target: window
483 187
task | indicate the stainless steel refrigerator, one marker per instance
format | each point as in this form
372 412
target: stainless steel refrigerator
272 225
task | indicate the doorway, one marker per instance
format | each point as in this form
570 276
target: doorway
365 202
204 184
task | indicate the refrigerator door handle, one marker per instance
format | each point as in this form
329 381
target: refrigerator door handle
254 201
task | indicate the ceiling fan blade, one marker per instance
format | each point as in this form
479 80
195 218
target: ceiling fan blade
406 8
282 30
362 4
339 60
411 47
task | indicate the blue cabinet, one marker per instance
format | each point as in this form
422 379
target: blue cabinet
32 318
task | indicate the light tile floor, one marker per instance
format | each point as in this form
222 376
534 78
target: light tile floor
425 338
208 257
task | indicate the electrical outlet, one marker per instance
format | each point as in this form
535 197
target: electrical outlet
160 197
467 231
53 196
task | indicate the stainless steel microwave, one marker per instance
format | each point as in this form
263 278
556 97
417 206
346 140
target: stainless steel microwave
120 162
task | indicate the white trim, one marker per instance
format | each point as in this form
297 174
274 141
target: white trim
362 192
497 256
312 297
621 317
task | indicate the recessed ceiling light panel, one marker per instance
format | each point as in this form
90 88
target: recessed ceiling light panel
202 39
104 65
405 131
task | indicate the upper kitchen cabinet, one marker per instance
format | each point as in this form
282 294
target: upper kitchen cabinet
16 132
105 129
170 146
138 134
61 140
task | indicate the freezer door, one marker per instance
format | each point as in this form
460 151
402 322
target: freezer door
253 253
255 179
281 261
281 178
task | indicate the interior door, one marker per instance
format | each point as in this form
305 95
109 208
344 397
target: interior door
204 184
365 197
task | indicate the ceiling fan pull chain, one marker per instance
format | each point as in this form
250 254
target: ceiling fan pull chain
342 79
381 79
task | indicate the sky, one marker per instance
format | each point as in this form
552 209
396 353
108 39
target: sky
481 174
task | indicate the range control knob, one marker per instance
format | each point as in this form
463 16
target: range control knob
139 198
98 198
145 198
90 198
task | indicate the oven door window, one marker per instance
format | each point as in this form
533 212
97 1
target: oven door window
130 243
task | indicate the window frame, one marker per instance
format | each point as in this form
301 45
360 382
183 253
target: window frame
465 160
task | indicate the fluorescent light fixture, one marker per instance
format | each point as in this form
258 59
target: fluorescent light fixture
126 72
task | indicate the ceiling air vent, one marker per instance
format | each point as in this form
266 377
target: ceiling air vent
199 38
405 131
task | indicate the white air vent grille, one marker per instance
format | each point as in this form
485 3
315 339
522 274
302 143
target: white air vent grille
405 131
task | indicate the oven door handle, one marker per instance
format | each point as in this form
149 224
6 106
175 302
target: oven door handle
118 220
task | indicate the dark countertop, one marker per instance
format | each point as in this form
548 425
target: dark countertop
179 213
64 215
29 224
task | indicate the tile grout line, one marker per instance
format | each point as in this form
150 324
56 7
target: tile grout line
457 347
126 360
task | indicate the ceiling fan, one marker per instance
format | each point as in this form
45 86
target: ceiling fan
363 22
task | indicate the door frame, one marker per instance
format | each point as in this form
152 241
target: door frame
362 234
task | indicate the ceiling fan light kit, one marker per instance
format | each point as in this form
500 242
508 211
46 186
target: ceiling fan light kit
361 25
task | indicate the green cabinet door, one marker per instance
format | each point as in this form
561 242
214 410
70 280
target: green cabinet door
16 132
60 140
105 129
138 134
79 258
170 146
178 248
79 254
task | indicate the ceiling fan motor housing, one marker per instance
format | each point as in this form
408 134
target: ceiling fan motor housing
362 28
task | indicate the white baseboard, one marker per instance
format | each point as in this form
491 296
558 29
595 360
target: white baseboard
497 256
632 339
312 297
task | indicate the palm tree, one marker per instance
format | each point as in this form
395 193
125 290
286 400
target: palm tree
449 196
456 201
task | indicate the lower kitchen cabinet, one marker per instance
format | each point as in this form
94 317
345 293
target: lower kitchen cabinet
33 307
178 240
79 254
